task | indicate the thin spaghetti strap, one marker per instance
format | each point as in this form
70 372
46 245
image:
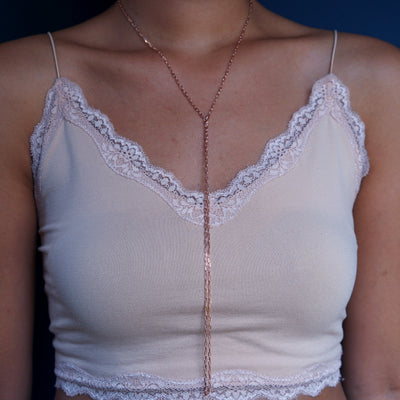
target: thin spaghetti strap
333 51
54 53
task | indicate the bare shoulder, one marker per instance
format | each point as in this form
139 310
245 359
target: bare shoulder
26 73
373 55
27 68
25 65
371 68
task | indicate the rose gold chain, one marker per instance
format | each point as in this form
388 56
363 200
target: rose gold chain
205 117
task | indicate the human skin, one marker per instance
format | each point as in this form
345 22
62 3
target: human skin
271 78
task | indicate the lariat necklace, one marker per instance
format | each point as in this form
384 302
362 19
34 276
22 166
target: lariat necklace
205 117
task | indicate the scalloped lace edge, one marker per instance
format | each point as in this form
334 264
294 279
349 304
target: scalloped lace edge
127 158
226 385
50 116
357 126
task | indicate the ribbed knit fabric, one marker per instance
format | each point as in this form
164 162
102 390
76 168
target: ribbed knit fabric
122 248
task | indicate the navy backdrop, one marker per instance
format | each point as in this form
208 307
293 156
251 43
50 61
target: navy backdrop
380 19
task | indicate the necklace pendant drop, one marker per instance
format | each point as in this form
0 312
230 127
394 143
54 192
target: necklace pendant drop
206 189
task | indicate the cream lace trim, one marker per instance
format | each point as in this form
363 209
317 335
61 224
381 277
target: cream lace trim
342 93
51 115
127 158
226 385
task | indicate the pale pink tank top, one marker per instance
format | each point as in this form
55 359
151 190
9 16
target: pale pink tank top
122 246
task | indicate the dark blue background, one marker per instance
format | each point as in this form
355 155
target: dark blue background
380 19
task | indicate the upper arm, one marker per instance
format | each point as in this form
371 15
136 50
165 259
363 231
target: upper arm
20 110
371 359
17 249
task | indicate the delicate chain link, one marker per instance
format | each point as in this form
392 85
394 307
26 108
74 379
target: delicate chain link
205 117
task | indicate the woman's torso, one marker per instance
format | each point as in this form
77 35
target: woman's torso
257 100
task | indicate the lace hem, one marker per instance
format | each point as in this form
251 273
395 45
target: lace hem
226 385
127 158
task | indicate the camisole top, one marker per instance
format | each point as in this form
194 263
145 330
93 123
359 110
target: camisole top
122 241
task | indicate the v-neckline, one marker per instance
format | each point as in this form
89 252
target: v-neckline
127 158
241 172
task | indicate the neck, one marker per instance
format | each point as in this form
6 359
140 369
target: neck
188 25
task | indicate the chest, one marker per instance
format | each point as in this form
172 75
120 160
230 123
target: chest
145 105
117 229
